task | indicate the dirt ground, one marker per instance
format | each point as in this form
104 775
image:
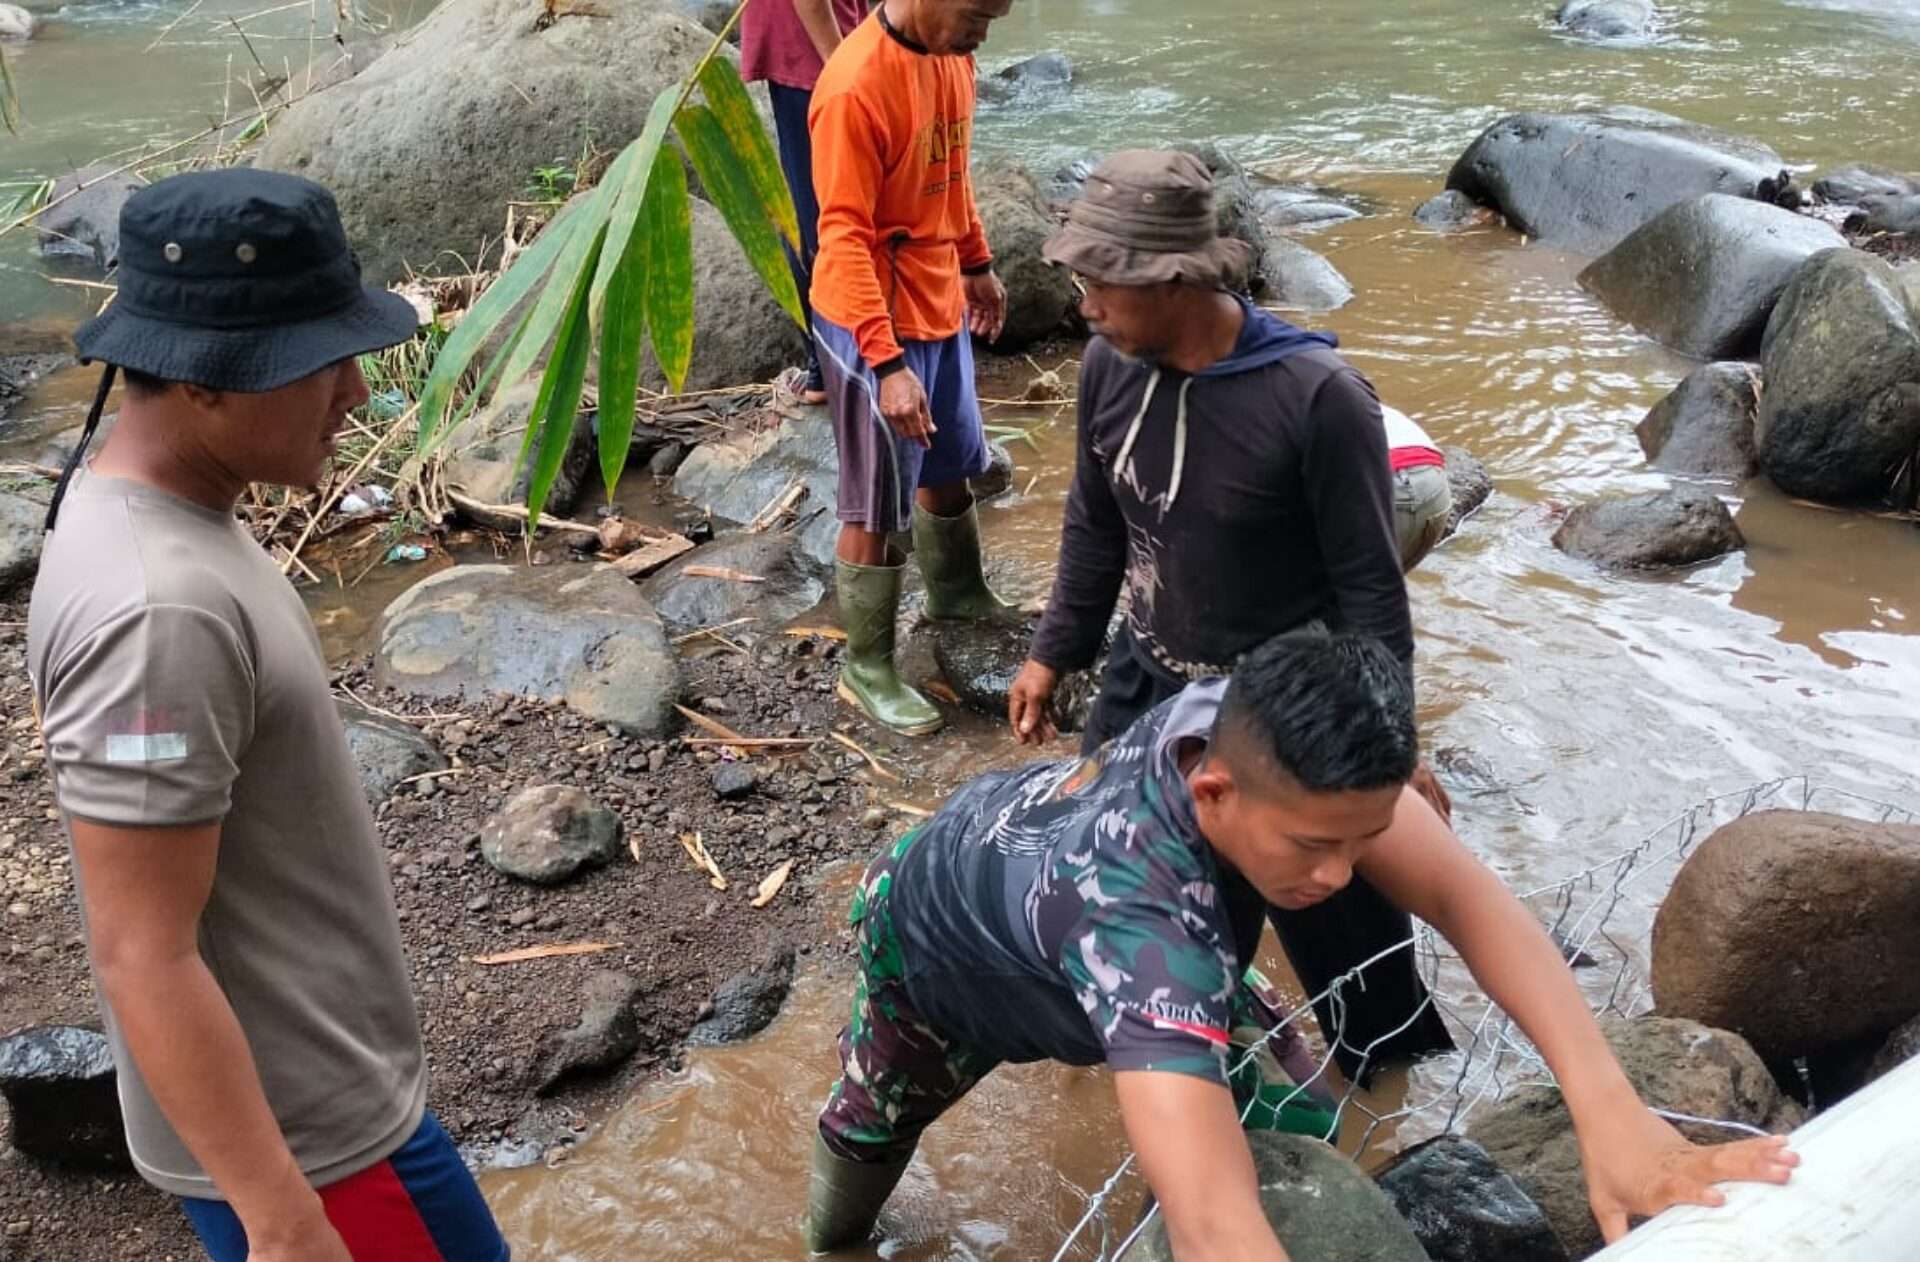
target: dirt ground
484 1025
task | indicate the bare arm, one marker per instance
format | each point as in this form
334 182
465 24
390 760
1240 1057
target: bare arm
1636 1164
1195 1157
817 17
145 890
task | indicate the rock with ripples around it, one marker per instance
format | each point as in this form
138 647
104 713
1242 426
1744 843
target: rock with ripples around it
1656 531
1608 19
1854 183
1470 483
1704 428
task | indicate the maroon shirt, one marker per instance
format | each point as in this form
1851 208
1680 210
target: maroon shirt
774 45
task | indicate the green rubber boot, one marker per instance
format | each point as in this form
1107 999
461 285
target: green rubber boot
869 604
948 549
844 1197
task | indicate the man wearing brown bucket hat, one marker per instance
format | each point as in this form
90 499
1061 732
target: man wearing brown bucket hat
239 919
1233 476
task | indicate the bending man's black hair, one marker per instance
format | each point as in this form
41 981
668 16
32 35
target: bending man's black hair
1329 712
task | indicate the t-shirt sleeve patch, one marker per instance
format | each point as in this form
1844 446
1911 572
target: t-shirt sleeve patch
1157 985
147 719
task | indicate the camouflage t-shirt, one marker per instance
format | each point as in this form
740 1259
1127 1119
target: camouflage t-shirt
1072 911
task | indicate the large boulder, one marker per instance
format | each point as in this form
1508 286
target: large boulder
1470 483
61 1091
688 602
741 336
1290 207
1703 277
1795 929
386 750
1704 428
511 87
563 634
980 660
1657 530
605 1035
1236 205
1320 1205
549 833
1465 1208
1044 77
22 535
1900 1047
86 224
746 1003
1039 295
483 459
1840 418
1854 183
1676 1065
1293 276
735 477
1607 19
1887 212
1583 181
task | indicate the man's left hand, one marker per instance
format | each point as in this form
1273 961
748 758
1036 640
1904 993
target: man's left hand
986 305
1637 1165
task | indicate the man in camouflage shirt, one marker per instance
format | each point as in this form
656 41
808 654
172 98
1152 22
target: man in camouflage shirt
1104 910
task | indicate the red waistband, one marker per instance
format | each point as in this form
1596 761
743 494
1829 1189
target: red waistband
1415 458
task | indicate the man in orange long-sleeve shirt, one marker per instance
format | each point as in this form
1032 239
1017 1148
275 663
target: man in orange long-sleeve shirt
904 274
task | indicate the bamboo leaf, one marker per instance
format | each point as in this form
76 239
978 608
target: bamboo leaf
623 331
667 229
486 316
731 190
558 401
631 196
733 110
9 95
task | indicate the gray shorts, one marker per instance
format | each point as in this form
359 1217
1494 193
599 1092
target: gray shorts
1422 505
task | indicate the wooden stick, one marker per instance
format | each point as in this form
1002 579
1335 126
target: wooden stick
752 742
714 726
517 513
168 30
544 952
706 631
873 762
649 557
722 572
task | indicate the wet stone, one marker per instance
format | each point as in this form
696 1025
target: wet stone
1464 1208
548 833
734 780
606 1034
1663 530
746 1003
60 1088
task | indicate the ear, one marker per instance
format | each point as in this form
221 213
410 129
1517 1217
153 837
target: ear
1211 784
200 397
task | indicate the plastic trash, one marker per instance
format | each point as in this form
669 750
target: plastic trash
406 552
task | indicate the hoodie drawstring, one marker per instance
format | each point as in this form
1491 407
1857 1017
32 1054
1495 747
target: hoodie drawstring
1179 435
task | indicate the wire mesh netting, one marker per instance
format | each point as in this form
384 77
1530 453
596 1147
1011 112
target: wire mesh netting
1600 917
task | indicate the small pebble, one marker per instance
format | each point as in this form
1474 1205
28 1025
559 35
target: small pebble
522 918
480 902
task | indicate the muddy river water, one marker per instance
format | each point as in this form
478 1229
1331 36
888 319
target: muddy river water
1578 711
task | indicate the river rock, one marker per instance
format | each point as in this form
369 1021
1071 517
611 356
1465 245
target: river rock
22 535
746 1003
1703 277
1039 295
1887 212
548 833
1840 418
735 477
980 660
1285 207
86 225
1584 181
585 637
483 460
1901 1046
1046 75
509 92
61 1091
998 479
1470 483
1452 210
1656 530
1705 427
21 368
1464 1208
688 602
1293 276
386 750
1235 207
1607 19
1796 929
1319 1203
16 23
1677 1065
1853 184
607 1033
712 15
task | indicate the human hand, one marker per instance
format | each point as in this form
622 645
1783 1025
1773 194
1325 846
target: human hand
309 1237
1637 1165
986 305
1428 786
1027 703
903 402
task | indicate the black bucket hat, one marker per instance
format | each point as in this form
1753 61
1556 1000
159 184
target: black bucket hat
236 280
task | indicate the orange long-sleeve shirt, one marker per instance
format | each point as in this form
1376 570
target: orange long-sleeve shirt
892 132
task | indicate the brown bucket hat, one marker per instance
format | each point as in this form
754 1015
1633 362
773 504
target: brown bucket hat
1146 218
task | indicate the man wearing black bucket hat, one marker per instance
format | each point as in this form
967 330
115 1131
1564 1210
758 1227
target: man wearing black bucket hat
239 919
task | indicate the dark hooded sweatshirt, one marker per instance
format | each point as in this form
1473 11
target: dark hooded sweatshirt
1235 504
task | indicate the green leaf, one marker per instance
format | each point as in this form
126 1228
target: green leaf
733 110
623 331
9 95
731 189
631 196
667 229
485 318
558 401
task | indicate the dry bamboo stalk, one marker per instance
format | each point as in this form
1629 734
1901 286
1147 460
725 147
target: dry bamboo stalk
873 762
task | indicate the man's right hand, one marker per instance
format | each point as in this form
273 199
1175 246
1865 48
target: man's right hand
314 1241
1028 702
903 402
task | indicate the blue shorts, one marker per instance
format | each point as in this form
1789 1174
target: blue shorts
419 1205
879 470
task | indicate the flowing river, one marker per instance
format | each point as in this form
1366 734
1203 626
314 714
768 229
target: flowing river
1577 711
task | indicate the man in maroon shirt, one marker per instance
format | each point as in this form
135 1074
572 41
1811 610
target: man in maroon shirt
786 43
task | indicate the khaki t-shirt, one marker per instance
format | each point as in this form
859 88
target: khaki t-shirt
180 682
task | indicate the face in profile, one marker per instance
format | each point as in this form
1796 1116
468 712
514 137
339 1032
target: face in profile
960 26
284 437
1133 318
